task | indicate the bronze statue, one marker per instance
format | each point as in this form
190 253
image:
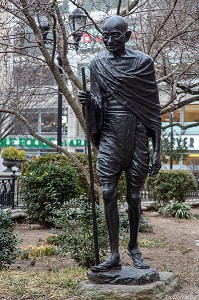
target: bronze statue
124 112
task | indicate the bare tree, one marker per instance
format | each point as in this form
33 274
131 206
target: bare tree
167 30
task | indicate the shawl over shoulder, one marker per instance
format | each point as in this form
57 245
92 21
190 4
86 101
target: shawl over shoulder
131 81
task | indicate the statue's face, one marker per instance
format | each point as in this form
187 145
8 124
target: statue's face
114 36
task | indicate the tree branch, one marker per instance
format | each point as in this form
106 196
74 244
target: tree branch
59 148
178 33
174 107
130 8
163 24
183 127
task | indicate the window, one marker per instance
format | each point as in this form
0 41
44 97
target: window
191 113
176 116
48 122
166 117
80 130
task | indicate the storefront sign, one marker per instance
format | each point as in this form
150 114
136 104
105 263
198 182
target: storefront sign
190 142
30 142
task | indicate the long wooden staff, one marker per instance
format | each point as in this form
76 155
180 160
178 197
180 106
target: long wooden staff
92 191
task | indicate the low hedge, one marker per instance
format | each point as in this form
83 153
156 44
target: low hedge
47 182
170 185
8 241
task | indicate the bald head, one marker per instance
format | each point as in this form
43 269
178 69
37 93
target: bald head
115 34
117 21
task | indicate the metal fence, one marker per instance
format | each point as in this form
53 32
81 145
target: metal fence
193 194
9 191
189 195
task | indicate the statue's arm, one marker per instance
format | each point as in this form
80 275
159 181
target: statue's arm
93 100
155 159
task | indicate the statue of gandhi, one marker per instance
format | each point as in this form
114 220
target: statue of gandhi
124 112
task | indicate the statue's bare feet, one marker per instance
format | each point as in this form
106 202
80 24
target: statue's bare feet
138 260
111 263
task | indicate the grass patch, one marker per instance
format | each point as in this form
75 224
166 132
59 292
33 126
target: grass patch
150 243
38 251
145 242
41 285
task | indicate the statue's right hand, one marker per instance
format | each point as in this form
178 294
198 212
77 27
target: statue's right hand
84 97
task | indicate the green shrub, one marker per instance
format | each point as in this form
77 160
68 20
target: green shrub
83 158
124 223
77 235
177 210
12 153
170 185
47 182
8 241
144 225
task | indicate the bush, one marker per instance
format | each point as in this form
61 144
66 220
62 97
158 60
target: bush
83 158
170 185
124 223
8 241
47 182
12 153
77 235
144 225
177 210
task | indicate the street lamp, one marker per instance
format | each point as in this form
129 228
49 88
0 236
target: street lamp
171 141
77 23
44 26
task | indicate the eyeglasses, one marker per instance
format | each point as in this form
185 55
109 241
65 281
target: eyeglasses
113 35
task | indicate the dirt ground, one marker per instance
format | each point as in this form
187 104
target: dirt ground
174 249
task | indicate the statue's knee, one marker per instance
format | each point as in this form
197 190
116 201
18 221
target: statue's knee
134 200
109 192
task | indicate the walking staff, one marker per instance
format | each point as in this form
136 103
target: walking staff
92 191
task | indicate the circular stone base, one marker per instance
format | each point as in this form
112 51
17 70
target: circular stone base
127 275
156 290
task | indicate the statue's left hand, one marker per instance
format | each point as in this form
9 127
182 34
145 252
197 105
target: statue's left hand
155 164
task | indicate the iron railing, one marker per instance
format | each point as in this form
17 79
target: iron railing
190 195
9 192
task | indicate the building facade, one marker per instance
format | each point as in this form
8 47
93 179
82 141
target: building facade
43 115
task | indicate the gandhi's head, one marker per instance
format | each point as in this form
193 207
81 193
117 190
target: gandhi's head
115 34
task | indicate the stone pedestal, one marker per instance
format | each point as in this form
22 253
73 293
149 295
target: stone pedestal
156 289
127 275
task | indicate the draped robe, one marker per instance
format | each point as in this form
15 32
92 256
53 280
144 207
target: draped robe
130 79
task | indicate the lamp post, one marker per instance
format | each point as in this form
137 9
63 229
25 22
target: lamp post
171 142
77 23
44 26
59 110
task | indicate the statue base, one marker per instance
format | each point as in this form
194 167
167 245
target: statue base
166 284
127 275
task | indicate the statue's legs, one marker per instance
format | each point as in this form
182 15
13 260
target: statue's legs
134 213
112 219
136 175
